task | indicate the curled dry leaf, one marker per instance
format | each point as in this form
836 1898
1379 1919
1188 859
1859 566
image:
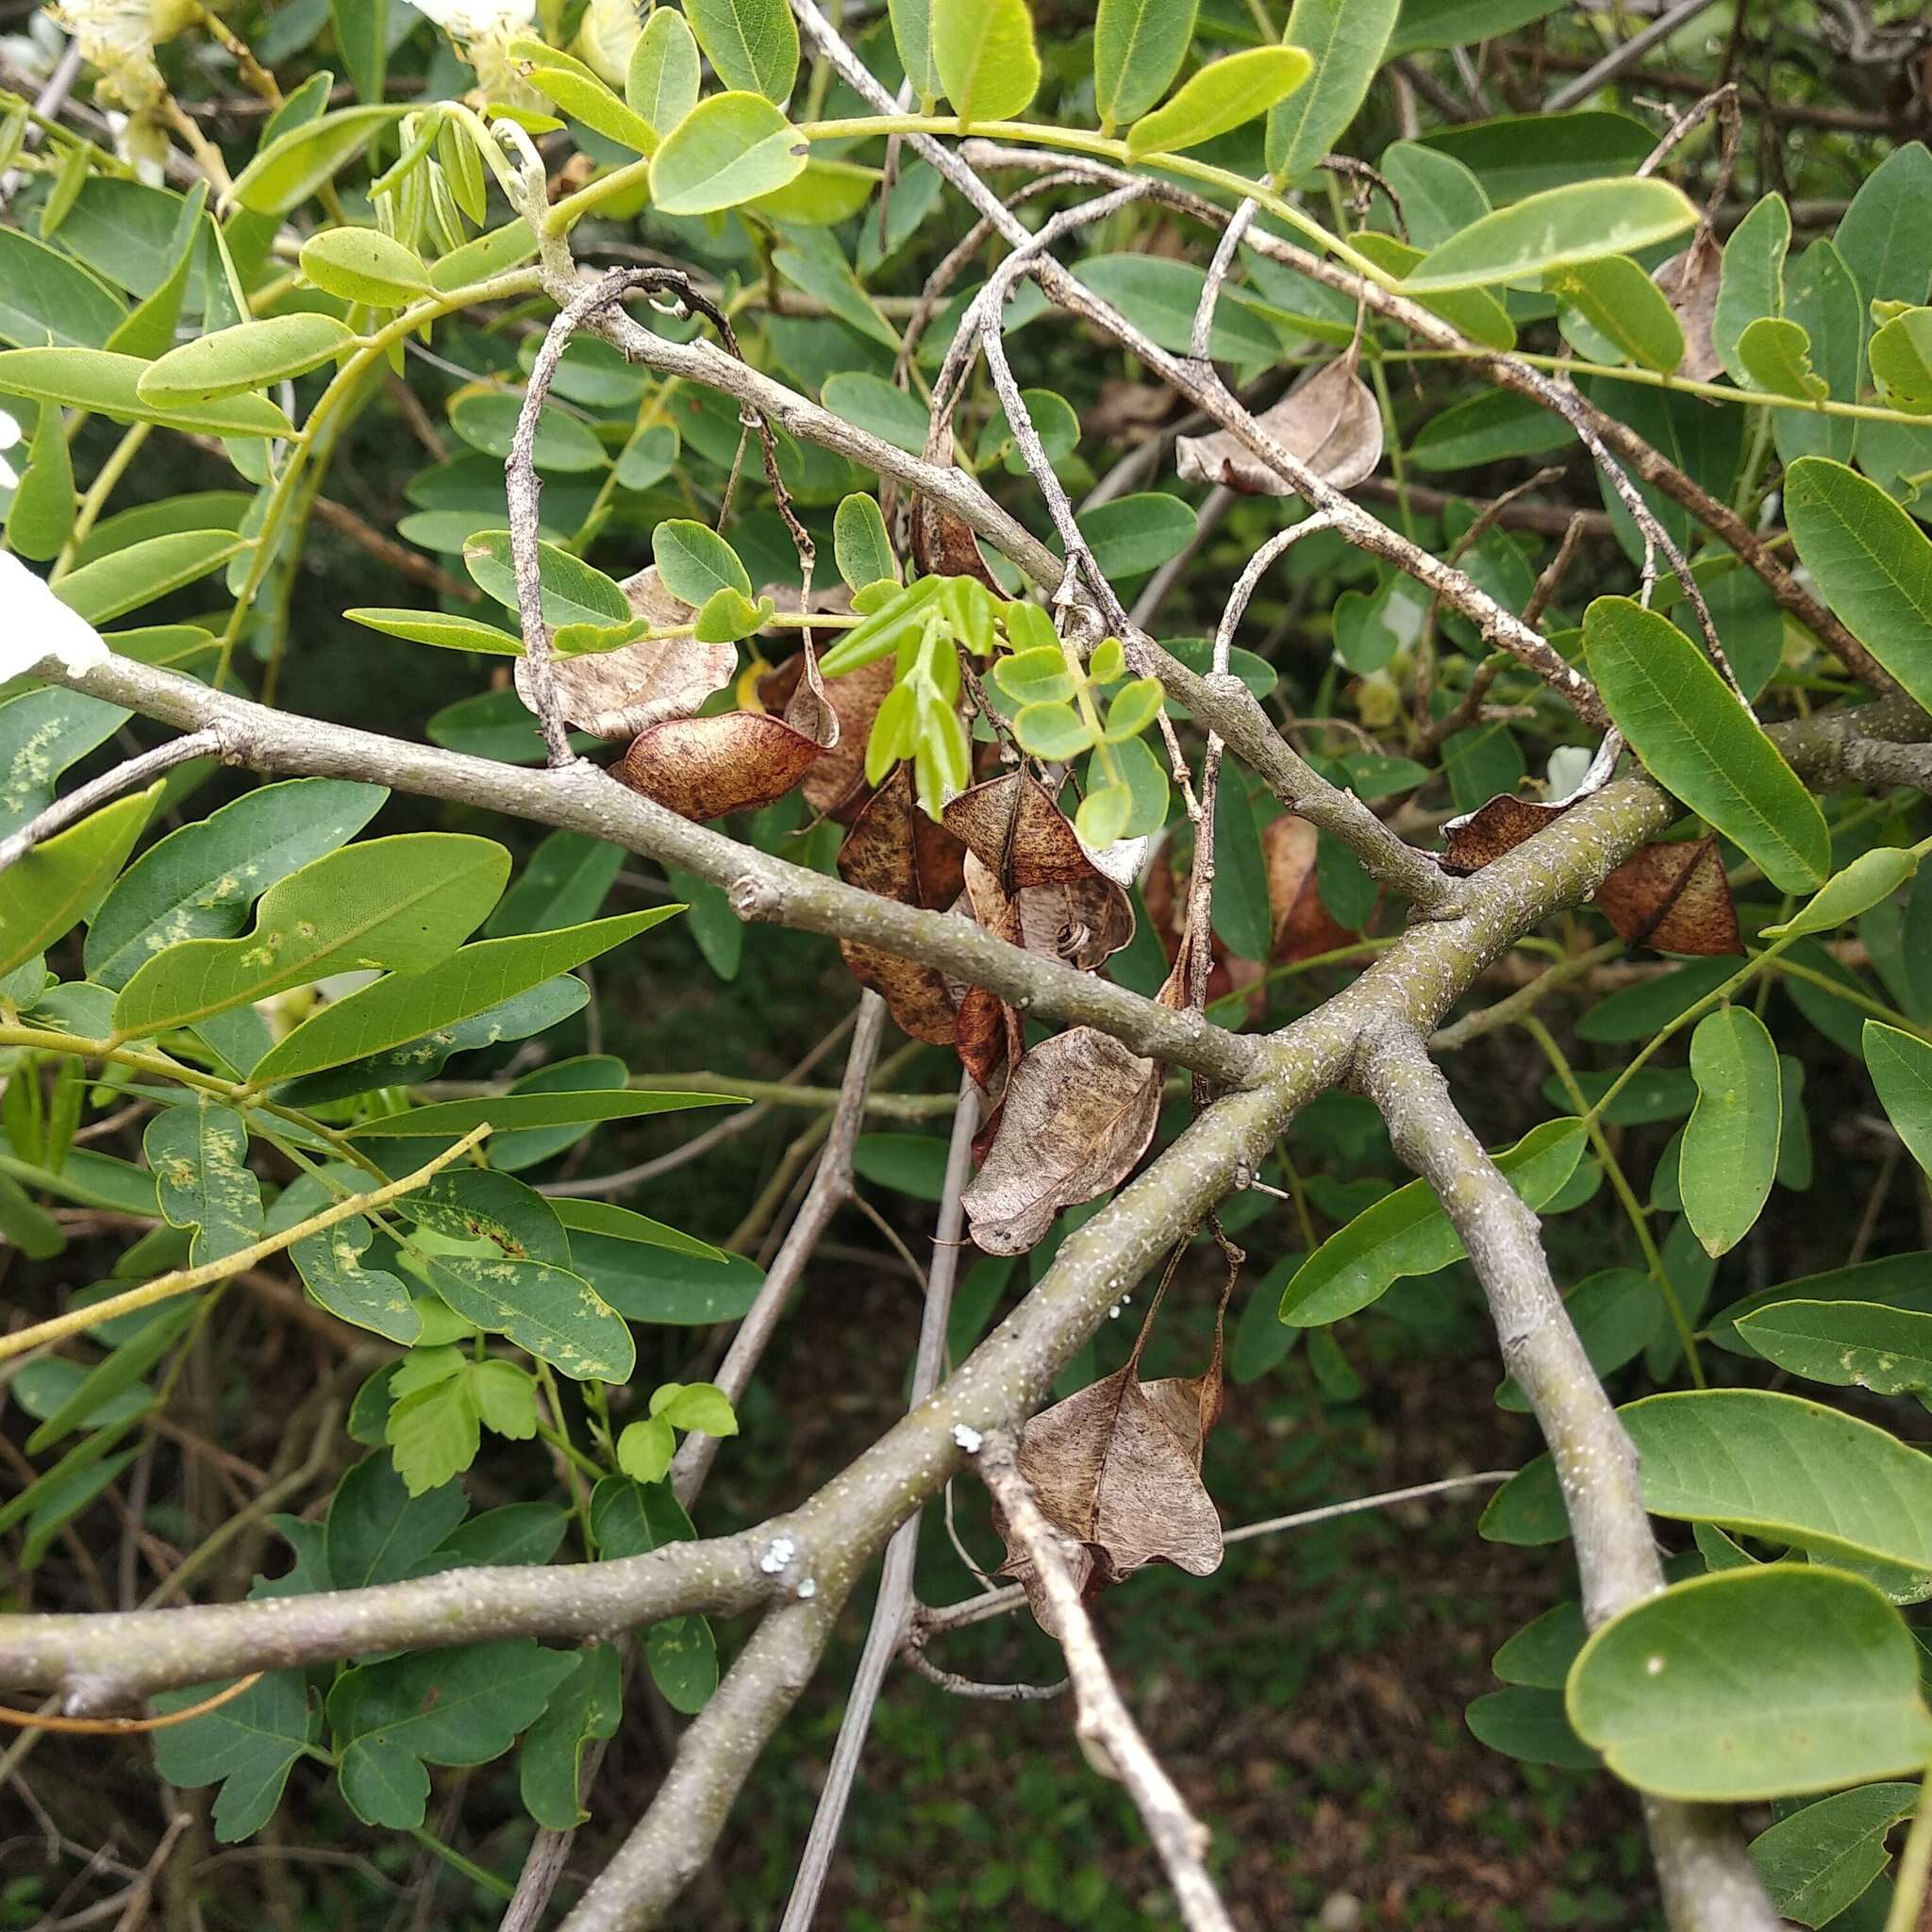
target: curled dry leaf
835 784
1330 421
1674 898
1304 926
1479 837
1126 409
618 693
1689 283
894 849
1078 1112
1116 1467
703 768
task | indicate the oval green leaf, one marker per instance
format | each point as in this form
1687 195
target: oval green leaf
1900 1064
1220 95
364 265
251 355
100 380
45 892
1552 229
753 44
1138 49
725 151
1731 1140
987 62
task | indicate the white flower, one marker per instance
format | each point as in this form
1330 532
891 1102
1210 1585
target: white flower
477 20
35 625
10 435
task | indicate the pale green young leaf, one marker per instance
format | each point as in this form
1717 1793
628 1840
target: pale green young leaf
1218 96
296 163
586 98
860 544
1900 1064
1901 355
250 355
1138 49
661 82
43 894
728 150
988 67
1872 876
108 383
1345 40
1552 229
439 627
1753 1684
402 903
1775 355
364 265
41 512
1872 563
702 1406
1699 743
753 44
1731 1140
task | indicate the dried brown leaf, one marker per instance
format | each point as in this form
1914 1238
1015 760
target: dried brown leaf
1674 898
835 783
1304 926
1330 419
943 546
894 849
1116 1467
702 768
1124 407
1078 1112
1689 283
1482 836
618 693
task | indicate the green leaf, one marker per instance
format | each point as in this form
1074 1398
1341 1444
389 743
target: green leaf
1407 1233
1871 878
248 1746
294 165
912 36
199 882
199 1156
1699 743
1438 195
41 512
1751 282
648 1283
45 893
1901 355
520 1112
1822 298
150 330
1555 228
464 1706
1160 295
1519 154
1620 301
486 418
439 627
47 297
1052 731
362 34
646 1448
1241 912
1880 234
661 82
1531 1725
376 1532
573 591
417 1000
1731 1142
1486 430
1133 708
563 884
99 1394
434 1428
1901 1068
553 1313
683 1658
1429 24
1101 819
725 151
1871 561
871 403
587 1704
1218 96
1138 49
1820 1861
585 98
364 265
694 562
42 733
1777 356
402 903
988 65
1752 1684
99 380
1133 535
1776 1466
860 544
125 579
1848 1344
250 355
330 1265
1345 40
753 44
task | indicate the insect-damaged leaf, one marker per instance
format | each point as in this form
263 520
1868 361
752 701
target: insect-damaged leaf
703 768
1481 837
1330 419
1078 1112
618 693
894 849
1117 1467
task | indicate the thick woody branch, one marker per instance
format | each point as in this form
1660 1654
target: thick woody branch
583 798
1707 1878
1105 1725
